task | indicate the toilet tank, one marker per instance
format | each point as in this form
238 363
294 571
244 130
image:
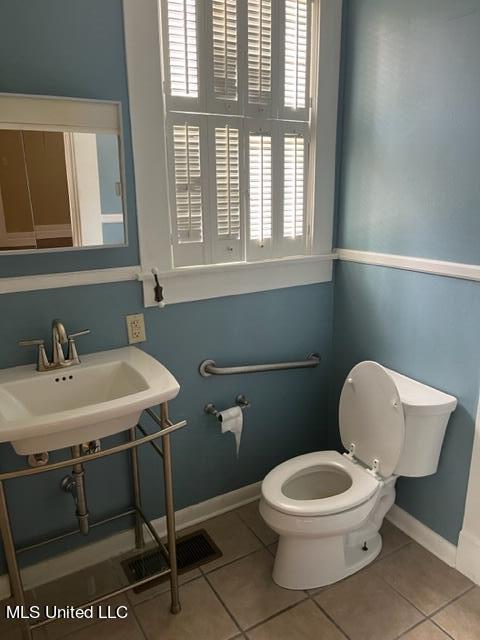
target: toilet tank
426 412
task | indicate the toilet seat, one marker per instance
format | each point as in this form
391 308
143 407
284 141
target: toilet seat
363 485
371 418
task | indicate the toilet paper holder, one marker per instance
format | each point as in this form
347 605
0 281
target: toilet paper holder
240 401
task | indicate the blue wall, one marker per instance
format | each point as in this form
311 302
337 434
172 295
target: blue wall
409 185
72 48
412 145
287 417
425 327
109 177
113 233
108 172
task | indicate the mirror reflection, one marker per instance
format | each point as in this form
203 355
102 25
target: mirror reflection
59 189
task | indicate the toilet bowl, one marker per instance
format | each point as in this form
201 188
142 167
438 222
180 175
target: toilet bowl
328 507
312 502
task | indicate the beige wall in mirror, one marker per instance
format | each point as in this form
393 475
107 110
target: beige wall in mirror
60 177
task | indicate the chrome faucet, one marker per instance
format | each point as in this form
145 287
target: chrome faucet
59 338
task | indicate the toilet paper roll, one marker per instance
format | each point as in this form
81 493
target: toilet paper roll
232 420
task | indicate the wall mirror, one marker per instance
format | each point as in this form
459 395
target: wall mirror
61 174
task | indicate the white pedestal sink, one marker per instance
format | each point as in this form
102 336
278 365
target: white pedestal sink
103 395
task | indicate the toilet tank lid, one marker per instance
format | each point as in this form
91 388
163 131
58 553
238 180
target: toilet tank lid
418 398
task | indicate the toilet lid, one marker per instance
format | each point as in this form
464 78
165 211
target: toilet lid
371 417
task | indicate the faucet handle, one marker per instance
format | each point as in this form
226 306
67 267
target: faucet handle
77 334
31 343
72 349
42 360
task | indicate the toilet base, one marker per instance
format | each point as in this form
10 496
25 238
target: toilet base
302 563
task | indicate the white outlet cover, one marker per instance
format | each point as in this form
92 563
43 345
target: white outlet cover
136 328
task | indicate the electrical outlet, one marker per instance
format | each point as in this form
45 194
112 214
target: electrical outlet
136 328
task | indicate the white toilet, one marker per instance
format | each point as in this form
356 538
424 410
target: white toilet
327 507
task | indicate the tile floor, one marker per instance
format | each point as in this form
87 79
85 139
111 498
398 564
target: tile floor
406 593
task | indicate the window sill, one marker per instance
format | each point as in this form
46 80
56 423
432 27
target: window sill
186 284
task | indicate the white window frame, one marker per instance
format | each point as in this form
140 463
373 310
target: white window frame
145 80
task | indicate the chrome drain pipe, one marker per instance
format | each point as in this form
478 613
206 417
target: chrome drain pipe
75 485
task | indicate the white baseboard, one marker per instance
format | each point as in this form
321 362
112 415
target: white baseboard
119 543
468 556
433 542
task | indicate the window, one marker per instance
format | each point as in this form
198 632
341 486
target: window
233 111
237 123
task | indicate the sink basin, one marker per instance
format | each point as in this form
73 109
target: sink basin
103 395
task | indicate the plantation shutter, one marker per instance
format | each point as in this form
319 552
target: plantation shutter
259 56
237 123
224 54
294 201
296 57
182 63
260 197
226 160
188 182
187 163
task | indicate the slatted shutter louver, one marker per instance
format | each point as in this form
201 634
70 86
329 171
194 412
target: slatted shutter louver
227 179
225 49
182 45
188 183
259 51
294 186
296 43
260 186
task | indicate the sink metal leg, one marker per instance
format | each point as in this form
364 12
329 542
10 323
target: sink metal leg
170 511
16 585
137 497
80 494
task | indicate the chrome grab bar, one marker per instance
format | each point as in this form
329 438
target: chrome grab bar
209 367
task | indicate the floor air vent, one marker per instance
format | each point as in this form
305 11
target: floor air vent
193 550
